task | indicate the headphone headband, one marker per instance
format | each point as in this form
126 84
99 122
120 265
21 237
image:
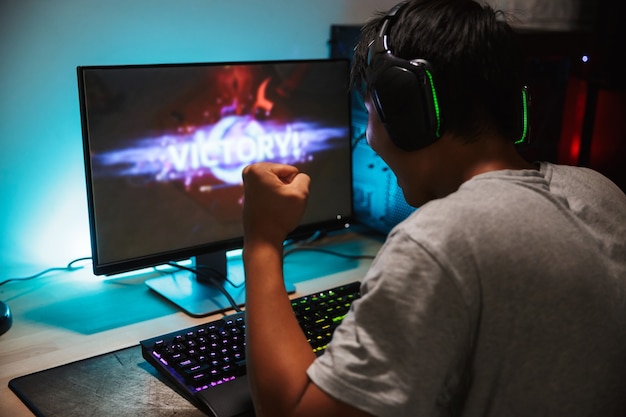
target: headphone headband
380 44
403 92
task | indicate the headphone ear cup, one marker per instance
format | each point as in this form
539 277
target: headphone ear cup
402 96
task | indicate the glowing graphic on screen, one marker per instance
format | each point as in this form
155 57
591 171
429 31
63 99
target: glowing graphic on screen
221 150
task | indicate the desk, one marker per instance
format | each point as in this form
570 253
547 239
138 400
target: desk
64 317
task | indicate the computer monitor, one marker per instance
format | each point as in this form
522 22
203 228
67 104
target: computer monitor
164 147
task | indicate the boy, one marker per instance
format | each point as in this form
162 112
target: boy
504 294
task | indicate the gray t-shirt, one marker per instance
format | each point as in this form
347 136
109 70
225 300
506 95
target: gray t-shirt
505 298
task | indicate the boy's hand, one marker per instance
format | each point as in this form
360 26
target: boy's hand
275 197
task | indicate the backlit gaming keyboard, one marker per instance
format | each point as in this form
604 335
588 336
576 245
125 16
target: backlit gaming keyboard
208 362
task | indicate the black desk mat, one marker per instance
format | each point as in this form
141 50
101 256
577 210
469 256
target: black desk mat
119 383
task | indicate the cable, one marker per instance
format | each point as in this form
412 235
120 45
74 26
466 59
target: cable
215 271
318 234
303 245
224 277
68 268
326 251
213 281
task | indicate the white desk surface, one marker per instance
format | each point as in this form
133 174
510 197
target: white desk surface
63 317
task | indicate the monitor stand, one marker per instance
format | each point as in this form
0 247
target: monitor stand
197 294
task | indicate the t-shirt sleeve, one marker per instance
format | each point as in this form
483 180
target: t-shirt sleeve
402 348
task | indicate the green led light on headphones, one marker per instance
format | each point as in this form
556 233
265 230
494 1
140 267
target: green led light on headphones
435 102
524 117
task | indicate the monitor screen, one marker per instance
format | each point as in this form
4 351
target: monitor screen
165 145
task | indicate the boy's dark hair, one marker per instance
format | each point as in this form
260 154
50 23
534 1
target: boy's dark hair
475 55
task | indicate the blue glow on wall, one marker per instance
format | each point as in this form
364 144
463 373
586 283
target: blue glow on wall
43 215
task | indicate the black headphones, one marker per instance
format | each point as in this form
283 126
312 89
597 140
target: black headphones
404 95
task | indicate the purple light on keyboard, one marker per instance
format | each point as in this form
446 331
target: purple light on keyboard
215 383
161 359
